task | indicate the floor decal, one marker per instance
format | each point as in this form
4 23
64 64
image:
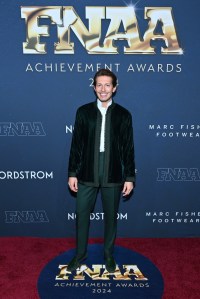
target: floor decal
135 277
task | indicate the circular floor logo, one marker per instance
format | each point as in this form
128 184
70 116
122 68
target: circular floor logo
135 277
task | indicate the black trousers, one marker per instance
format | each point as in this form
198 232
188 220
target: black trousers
85 202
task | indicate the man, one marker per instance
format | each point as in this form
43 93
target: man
101 157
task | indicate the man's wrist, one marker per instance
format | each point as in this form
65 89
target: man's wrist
72 174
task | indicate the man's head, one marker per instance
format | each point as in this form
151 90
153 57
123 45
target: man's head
105 72
105 84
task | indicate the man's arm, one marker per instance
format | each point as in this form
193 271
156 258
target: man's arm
128 157
75 152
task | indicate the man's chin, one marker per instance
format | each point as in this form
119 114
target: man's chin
104 100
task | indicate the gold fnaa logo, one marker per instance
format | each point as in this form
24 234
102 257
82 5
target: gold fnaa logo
98 272
66 19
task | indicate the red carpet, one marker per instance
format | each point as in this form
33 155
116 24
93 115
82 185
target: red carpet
22 260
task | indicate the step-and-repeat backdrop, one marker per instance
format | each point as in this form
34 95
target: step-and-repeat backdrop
50 51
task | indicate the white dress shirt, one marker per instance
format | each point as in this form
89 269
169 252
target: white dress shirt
103 111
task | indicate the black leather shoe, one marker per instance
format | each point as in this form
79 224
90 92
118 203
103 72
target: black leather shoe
110 264
75 263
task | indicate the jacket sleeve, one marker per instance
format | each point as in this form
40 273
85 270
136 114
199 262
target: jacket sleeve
76 147
128 150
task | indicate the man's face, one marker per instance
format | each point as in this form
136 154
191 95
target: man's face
104 88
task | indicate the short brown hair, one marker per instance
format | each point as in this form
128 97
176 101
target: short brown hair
105 72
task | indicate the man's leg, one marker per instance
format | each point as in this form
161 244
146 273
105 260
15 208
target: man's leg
110 201
85 201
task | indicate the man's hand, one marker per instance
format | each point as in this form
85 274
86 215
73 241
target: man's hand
73 184
128 187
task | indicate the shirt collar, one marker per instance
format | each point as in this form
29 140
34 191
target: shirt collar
99 104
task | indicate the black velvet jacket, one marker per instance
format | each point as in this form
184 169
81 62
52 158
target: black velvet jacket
119 149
